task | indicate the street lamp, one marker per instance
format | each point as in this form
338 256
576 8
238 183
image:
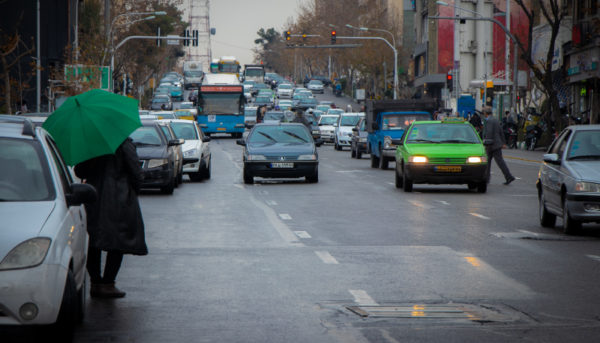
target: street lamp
388 43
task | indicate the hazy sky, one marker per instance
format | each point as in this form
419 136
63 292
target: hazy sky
237 22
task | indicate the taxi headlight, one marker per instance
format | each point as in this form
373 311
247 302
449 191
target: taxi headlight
157 162
418 159
387 142
474 159
590 187
256 157
307 157
27 254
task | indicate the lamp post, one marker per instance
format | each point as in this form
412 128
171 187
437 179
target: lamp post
393 47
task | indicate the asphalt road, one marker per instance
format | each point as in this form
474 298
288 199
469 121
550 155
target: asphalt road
351 259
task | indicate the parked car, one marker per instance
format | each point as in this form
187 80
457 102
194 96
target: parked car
358 141
43 231
569 179
196 148
343 130
170 134
281 150
157 156
327 123
315 86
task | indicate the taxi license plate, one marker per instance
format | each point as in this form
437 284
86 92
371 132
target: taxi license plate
282 165
221 129
448 169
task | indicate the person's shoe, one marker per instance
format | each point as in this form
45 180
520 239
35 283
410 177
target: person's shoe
106 290
510 179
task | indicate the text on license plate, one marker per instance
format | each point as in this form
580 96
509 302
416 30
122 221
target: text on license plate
448 169
282 165
221 129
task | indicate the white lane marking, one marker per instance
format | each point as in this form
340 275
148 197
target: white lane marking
594 257
480 216
302 234
288 236
362 298
391 183
523 195
326 257
285 216
529 233
350 171
420 204
271 202
444 202
238 186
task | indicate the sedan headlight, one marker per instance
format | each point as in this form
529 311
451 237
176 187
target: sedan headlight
316 132
190 153
307 157
27 254
362 140
387 142
589 187
157 162
256 157
476 159
418 159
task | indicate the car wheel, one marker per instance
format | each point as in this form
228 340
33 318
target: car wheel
337 146
374 161
407 183
81 301
248 178
208 167
383 162
69 307
352 152
358 154
482 187
180 178
570 226
547 219
314 178
195 177
398 179
471 186
169 188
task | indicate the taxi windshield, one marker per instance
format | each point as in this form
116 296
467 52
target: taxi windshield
442 133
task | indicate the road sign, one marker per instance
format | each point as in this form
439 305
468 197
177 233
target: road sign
172 41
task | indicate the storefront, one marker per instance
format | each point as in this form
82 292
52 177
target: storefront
584 78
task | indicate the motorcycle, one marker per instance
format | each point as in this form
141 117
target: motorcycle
337 92
533 133
510 135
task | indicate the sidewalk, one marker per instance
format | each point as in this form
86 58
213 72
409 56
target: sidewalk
525 155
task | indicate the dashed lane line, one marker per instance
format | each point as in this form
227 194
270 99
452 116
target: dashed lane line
362 298
326 257
285 216
480 216
303 234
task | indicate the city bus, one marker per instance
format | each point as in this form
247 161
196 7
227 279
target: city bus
229 65
214 66
221 105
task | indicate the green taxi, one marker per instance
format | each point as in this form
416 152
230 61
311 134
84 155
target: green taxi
441 152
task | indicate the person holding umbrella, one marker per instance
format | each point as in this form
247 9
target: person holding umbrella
92 131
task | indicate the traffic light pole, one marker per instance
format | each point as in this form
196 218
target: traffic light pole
112 53
395 59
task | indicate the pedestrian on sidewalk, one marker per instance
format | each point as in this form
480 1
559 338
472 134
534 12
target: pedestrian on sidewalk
115 222
493 139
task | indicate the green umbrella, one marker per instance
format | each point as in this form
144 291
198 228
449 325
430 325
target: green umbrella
92 124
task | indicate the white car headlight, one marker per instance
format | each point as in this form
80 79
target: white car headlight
256 158
590 187
307 157
190 153
476 159
27 254
387 142
418 159
157 162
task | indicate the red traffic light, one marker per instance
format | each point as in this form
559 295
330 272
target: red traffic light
333 33
449 76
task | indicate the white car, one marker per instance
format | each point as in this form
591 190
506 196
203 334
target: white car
327 123
315 86
43 231
285 90
195 148
343 130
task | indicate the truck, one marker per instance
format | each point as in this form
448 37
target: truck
386 121
254 72
192 74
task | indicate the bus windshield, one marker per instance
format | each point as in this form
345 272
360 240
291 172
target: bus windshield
220 103
229 68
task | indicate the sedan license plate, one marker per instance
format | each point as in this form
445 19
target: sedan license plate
221 129
448 169
282 165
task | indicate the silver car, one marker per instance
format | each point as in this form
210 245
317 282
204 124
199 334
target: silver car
569 179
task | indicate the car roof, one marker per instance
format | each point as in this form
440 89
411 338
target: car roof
16 127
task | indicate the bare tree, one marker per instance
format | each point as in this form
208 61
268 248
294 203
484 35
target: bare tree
10 56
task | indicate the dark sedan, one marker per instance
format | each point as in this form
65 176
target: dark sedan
284 150
157 156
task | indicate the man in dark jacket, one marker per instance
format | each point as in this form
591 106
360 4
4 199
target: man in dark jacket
115 222
493 139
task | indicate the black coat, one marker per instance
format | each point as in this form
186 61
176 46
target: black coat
115 220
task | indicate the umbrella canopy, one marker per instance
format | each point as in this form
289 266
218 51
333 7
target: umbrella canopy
92 124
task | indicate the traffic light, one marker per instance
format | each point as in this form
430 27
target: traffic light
288 35
333 36
449 80
186 34
195 40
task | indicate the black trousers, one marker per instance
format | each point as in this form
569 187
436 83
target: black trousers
111 266
496 154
